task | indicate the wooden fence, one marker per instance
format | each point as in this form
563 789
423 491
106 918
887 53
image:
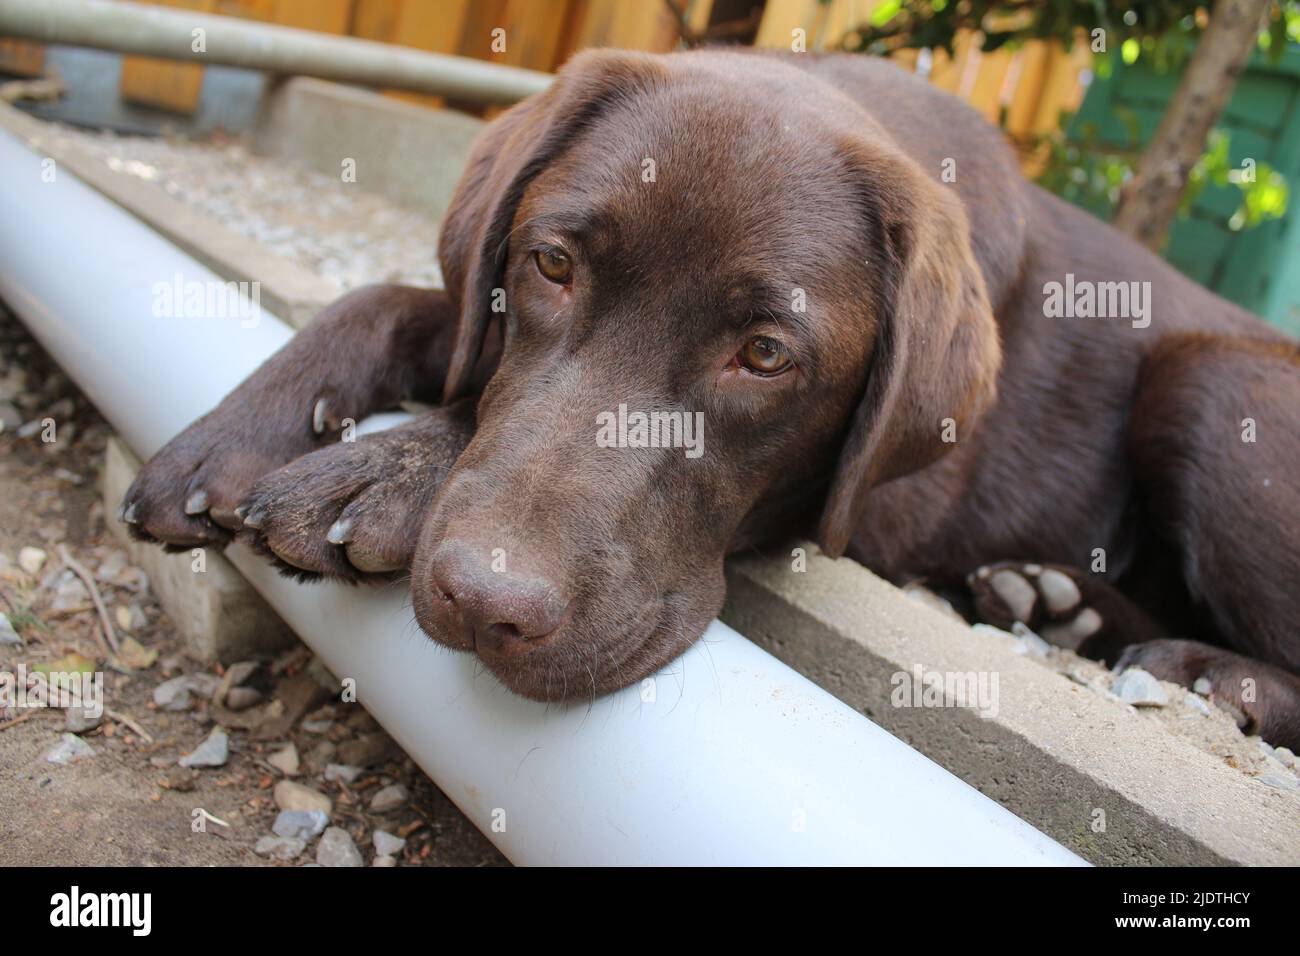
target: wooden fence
1025 90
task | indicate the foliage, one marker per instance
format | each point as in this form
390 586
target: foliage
1162 29
1160 32
1091 174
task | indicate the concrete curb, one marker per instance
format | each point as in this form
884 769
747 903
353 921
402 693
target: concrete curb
287 289
411 154
1056 754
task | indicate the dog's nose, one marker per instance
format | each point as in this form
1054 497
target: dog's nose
506 611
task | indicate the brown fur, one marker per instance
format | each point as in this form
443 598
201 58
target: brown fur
924 309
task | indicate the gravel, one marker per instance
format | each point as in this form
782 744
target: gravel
334 229
213 752
386 844
286 760
390 798
1135 686
173 695
301 824
294 796
280 848
69 750
78 720
336 848
341 773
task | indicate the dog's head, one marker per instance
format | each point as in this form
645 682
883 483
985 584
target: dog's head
665 243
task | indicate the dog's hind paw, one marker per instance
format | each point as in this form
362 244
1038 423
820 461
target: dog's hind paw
354 510
1050 599
1262 698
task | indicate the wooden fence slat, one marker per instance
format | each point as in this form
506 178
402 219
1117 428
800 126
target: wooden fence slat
1027 93
22 57
376 20
165 84
986 89
533 33
324 16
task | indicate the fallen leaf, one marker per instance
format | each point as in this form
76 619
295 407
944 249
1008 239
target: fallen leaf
133 656
72 663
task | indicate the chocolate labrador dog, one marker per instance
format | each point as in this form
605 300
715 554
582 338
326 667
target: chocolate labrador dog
888 338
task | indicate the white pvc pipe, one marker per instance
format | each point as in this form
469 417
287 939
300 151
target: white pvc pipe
737 759
210 38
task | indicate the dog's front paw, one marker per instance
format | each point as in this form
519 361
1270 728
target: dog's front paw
187 495
355 509
1049 599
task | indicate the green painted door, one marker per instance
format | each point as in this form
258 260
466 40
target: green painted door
1258 268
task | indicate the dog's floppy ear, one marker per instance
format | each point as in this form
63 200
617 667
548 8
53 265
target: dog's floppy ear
506 157
936 352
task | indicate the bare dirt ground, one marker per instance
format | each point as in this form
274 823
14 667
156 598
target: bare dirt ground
128 802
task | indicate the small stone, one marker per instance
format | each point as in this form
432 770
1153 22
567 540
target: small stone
386 844
173 695
213 752
1028 642
1265 749
242 698
69 593
317 726
286 760
389 799
341 773
113 564
301 824
1280 781
237 675
384 861
176 694
31 560
11 419
1285 756
69 750
320 756
1196 703
1135 686
337 849
7 633
203 684
78 720
280 847
294 796
1203 686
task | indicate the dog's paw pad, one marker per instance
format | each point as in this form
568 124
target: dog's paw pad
1047 599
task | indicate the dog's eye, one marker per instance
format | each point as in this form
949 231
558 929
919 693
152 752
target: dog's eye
554 265
764 356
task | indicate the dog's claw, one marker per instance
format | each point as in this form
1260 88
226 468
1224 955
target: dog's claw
197 503
254 519
127 514
340 532
318 416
